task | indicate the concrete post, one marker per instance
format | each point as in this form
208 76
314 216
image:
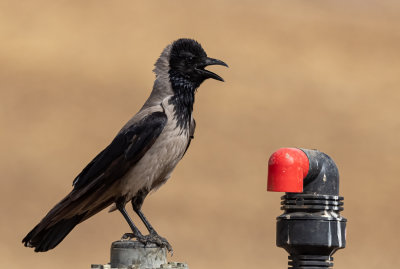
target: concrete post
129 254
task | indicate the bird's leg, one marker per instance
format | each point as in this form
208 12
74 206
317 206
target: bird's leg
135 231
153 236
137 202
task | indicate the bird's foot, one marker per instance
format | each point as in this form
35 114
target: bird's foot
151 238
156 239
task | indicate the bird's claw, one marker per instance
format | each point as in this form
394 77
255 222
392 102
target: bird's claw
128 236
158 240
150 238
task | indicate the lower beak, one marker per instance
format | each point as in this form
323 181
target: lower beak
208 74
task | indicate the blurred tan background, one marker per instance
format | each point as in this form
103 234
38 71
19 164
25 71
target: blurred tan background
313 74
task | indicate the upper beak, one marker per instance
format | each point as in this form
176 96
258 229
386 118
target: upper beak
208 74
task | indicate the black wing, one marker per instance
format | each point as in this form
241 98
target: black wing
125 150
86 198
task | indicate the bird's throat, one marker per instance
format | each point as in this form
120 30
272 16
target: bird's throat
182 100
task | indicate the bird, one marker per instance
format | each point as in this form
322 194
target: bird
141 157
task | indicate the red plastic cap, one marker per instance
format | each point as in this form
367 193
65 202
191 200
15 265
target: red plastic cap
287 167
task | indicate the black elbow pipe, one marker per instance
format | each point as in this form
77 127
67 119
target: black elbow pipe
323 175
311 229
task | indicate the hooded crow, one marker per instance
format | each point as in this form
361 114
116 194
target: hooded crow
141 157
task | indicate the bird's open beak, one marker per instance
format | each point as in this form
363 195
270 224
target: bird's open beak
208 74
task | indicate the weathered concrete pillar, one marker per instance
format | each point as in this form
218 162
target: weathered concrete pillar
129 254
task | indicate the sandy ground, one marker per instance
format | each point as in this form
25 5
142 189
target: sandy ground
313 74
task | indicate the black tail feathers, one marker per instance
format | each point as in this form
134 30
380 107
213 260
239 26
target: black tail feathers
44 238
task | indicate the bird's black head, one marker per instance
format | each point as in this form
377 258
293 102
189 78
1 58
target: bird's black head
187 62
